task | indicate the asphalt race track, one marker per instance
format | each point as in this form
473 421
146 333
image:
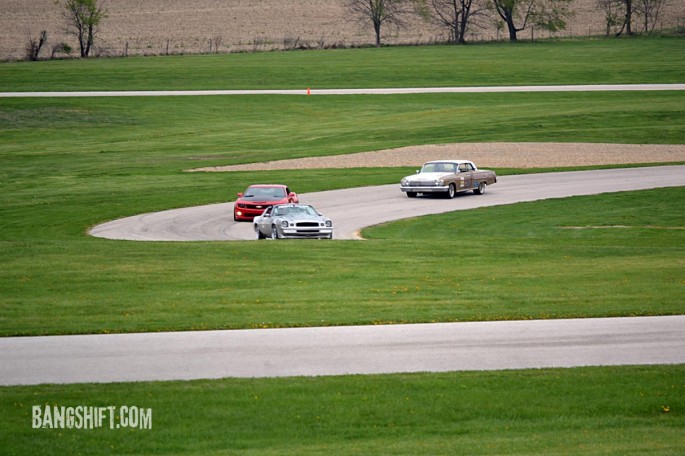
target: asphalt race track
436 347
355 349
353 209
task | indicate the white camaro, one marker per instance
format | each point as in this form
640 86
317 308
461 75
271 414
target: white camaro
292 221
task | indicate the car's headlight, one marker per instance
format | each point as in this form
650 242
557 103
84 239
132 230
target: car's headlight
440 182
329 223
284 224
404 182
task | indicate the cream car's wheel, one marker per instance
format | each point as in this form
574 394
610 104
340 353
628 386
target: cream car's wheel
451 191
481 188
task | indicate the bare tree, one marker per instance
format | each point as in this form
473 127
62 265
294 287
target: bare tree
623 12
34 46
379 12
453 15
519 14
650 10
83 19
627 6
613 16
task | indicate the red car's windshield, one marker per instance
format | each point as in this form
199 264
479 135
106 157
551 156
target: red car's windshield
265 193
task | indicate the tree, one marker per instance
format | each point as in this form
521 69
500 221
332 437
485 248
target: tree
546 14
34 46
380 12
83 19
453 15
509 11
627 18
612 14
650 10
623 12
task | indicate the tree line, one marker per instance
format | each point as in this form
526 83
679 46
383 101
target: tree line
83 18
459 16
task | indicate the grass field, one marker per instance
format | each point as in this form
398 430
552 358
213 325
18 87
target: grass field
529 266
596 411
601 61
67 164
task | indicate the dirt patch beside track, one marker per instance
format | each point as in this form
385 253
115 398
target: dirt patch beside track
494 155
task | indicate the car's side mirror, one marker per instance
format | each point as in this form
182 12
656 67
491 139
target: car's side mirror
418 171
240 195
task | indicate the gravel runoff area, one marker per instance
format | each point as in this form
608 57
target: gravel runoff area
493 155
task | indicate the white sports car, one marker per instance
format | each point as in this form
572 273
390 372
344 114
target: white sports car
292 221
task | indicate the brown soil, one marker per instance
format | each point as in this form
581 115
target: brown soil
494 155
152 27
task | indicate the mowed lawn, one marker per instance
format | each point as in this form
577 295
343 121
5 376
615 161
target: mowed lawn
594 411
70 163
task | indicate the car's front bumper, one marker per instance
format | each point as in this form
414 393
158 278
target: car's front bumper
424 189
303 233
244 213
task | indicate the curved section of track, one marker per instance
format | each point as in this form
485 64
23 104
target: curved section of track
357 208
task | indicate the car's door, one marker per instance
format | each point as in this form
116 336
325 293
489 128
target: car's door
452 177
466 175
264 224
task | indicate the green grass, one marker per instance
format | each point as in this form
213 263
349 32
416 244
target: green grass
522 262
69 163
600 61
596 411
66 164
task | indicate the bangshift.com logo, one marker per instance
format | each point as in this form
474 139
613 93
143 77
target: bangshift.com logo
88 417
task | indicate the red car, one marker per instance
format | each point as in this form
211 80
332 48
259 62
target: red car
258 197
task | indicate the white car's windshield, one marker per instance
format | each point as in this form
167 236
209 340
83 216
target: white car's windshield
294 210
268 193
439 168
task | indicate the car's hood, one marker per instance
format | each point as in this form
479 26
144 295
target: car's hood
269 202
426 176
300 217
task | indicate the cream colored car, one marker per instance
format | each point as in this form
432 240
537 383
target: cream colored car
448 177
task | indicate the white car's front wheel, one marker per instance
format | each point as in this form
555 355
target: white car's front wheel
451 191
274 232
